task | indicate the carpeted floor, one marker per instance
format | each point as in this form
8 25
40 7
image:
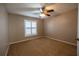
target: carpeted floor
42 47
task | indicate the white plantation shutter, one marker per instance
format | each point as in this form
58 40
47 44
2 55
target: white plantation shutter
30 28
34 27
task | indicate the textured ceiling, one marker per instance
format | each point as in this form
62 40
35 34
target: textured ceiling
33 9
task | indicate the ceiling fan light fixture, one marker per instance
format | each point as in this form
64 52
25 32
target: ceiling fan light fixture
42 15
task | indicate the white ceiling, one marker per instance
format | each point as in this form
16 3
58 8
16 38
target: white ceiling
33 9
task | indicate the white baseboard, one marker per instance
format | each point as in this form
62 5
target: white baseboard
7 50
25 40
62 41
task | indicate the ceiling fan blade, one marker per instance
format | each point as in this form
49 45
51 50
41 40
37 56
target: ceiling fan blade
50 10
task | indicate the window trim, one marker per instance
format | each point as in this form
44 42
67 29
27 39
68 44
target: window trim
31 29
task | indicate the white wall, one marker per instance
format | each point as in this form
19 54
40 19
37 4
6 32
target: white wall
3 30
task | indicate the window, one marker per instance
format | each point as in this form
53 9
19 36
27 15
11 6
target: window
30 28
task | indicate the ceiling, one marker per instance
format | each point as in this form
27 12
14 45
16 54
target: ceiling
33 9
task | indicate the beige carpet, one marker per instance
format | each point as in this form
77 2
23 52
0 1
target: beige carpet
42 47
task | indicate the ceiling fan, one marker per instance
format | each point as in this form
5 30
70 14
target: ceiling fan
45 11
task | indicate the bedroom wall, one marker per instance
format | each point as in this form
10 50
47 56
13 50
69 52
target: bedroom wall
78 24
62 27
16 27
3 30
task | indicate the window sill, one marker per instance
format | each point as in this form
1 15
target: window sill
30 36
